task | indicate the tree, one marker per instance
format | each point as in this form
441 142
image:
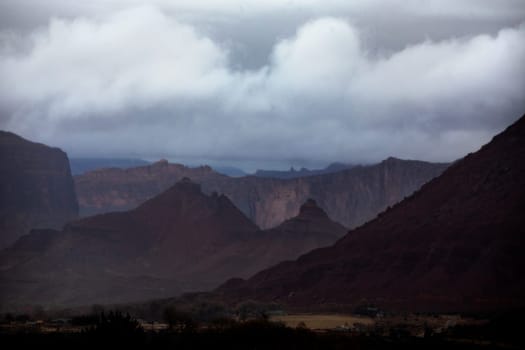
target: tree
301 325
178 320
116 328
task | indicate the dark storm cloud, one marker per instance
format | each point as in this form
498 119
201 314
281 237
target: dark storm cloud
188 81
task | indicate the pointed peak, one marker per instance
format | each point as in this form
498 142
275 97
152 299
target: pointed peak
310 208
183 189
310 202
161 162
186 180
391 160
187 184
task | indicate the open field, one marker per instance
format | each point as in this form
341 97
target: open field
324 321
320 331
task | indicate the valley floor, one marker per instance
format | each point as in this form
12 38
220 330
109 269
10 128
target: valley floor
299 331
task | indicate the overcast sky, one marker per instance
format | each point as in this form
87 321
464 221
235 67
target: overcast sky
262 84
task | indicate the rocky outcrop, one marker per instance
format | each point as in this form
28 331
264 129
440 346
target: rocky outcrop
113 189
181 240
36 188
351 196
455 245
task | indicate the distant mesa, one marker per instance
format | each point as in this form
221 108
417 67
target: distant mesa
229 171
83 165
350 196
303 172
36 188
114 189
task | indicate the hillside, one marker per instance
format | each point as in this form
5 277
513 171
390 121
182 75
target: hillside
457 244
179 241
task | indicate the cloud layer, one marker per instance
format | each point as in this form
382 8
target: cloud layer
144 82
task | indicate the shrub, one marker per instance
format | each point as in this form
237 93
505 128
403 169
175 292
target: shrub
115 328
178 320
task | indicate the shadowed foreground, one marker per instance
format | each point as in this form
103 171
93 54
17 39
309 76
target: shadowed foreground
185 332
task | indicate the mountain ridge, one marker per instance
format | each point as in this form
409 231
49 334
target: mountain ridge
351 196
181 240
454 245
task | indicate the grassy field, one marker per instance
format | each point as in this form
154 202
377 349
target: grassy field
323 321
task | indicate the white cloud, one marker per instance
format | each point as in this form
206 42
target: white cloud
143 82
460 8
137 58
324 52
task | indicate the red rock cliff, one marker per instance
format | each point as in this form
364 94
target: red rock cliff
36 188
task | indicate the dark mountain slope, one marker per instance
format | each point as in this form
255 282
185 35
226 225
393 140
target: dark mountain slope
456 244
180 241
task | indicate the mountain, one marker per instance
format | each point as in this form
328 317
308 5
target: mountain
82 165
106 190
229 171
455 245
181 240
36 188
310 229
351 197
293 173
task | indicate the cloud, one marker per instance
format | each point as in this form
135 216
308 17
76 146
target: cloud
143 82
326 51
138 57
457 8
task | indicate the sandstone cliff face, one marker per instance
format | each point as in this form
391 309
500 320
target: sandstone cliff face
179 241
455 245
350 197
36 188
113 189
